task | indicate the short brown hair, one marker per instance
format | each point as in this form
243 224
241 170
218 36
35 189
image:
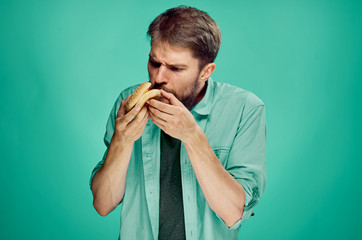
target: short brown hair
190 28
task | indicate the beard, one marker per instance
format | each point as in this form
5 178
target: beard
187 97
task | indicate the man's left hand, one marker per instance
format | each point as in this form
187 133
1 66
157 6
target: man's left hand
173 118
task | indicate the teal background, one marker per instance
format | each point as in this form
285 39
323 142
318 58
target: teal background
63 64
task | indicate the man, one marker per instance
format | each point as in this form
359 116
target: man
192 165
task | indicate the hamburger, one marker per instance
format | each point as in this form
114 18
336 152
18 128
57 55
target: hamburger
140 96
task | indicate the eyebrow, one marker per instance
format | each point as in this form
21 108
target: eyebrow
169 65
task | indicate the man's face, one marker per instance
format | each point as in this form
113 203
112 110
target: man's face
175 70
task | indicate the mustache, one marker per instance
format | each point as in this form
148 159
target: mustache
159 86
162 86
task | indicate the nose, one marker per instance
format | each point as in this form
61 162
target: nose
161 75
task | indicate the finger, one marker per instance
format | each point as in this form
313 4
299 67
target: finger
140 115
143 123
122 109
131 115
139 119
164 107
162 115
156 120
164 100
171 98
145 119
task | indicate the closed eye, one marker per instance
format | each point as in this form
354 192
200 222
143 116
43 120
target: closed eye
175 69
154 63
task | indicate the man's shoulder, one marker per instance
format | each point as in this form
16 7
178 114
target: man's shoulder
235 95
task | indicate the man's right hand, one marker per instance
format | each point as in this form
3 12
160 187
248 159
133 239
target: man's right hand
129 126
109 182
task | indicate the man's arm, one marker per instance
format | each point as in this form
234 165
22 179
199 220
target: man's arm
109 182
223 193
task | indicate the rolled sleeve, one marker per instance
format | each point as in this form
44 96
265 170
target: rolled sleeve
110 126
247 158
246 215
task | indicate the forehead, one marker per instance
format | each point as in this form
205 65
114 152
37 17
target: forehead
170 54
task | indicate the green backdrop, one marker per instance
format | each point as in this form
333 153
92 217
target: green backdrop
63 63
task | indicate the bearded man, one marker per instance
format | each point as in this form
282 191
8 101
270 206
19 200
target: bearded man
190 165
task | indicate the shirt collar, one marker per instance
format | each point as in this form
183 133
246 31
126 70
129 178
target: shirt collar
204 106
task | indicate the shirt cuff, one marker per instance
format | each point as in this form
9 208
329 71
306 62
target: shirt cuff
246 215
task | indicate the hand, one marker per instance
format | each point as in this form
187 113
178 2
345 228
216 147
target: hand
172 117
129 126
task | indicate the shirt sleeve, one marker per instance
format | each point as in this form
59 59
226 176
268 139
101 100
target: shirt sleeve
247 158
110 127
107 136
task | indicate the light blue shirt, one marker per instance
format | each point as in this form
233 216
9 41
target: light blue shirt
233 121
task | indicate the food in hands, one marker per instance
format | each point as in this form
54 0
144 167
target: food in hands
140 96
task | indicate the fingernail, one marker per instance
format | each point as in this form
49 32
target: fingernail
138 109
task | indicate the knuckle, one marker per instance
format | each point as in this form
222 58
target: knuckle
130 116
124 119
179 110
118 124
138 120
151 109
123 103
119 131
126 132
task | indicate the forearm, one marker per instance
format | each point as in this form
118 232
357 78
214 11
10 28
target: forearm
109 182
225 195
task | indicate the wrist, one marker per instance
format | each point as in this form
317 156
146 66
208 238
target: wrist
195 137
120 143
118 150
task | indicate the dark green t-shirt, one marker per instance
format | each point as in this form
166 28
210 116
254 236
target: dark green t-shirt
172 224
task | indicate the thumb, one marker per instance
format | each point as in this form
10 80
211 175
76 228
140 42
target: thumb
122 109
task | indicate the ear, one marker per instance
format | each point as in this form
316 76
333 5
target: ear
207 71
